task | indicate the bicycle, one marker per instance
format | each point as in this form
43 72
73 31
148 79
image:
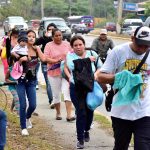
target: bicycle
3 95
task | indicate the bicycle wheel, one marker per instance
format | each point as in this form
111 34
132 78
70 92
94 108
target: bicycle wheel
3 99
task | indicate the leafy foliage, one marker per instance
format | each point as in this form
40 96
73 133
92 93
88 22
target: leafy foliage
32 8
147 11
21 8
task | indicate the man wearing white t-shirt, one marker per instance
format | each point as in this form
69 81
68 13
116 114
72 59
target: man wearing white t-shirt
132 118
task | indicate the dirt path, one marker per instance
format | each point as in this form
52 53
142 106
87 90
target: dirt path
66 132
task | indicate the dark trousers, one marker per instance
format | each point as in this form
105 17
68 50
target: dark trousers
123 130
48 86
3 122
84 116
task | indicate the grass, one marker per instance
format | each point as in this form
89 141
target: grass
104 123
42 137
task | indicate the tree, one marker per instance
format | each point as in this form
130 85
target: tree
147 7
20 8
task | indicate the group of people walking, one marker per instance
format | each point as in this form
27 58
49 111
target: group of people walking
127 118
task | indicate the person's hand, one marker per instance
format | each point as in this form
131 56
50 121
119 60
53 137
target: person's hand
22 59
58 60
92 58
46 34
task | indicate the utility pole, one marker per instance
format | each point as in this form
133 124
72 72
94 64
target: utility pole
70 3
90 7
119 16
42 8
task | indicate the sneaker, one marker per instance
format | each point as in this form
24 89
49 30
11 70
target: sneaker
52 106
37 87
24 132
92 126
80 145
23 76
86 136
29 124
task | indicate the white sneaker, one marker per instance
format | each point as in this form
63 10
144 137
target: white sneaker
29 124
92 125
24 132
37 87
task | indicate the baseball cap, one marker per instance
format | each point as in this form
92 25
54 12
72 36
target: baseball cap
22 36
142 35
16 70
103 31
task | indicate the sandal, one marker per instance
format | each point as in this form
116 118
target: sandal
58 118
71 119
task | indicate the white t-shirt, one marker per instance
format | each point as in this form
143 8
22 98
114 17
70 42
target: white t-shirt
20 50
120 58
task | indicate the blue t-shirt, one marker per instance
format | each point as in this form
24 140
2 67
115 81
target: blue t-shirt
73 56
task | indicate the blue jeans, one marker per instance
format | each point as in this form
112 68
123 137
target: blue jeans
48 86
37 69
123 130
3 122
84 116
26 88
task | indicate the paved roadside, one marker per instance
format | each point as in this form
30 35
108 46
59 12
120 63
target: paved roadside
100 140
65 131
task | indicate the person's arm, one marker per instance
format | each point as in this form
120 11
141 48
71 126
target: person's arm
14 54
53 61
67 71
112 45
104 77
40 54
94 46
48 56
7 76
1 43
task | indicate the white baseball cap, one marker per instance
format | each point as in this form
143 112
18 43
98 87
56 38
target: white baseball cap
103 31
142 35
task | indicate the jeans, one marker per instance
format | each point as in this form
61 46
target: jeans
84 116
37 69
26 89
3 123
123 130
48 86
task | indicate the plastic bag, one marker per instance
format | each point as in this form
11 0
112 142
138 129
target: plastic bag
95 98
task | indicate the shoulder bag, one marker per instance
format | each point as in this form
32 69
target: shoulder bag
111 93
103 86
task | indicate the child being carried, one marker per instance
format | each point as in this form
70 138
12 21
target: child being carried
21 50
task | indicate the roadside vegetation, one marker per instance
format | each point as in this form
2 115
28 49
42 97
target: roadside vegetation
104 123
42 136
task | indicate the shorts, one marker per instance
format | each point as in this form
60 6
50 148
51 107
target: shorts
59 86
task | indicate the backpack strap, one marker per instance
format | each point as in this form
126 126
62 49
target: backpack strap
95 62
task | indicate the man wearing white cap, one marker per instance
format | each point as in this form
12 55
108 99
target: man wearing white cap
132 117
102 44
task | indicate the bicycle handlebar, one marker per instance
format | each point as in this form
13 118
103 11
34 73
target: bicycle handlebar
7 83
